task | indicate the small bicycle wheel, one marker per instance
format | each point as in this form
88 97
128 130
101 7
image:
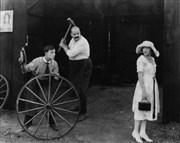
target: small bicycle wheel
4 90
48 100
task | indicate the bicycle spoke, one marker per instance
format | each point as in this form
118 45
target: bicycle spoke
47 127
66 102
29 101
62 118
34 117
35 95
37 80
65 110
30 110
3 91
62 95
2 85
56 90
49 88
40 122
1 79
51 113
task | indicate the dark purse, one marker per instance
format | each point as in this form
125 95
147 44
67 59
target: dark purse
144 105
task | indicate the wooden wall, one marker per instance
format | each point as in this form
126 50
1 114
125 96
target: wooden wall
113 29
171 62
44 21
10 45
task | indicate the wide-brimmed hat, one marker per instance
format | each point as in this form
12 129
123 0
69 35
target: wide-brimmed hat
147 44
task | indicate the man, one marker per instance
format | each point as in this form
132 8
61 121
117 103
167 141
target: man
40 66
80 65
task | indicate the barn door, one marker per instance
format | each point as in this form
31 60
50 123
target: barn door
122 39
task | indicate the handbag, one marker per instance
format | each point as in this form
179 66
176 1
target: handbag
144 105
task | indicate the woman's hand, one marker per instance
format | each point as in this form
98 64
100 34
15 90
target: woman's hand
144 95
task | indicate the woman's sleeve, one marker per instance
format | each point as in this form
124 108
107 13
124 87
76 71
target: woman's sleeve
154 62
140 64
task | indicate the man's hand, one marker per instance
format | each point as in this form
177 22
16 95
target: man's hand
56 78
63 43
20 60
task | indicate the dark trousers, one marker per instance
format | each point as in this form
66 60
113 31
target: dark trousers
79 75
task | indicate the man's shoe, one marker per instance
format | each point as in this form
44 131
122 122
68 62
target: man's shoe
81 117
54 127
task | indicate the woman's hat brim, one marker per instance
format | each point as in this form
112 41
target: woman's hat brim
147 44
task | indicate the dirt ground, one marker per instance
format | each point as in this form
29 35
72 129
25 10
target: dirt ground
10 131
165 133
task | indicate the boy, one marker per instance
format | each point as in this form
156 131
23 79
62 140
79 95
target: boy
40 66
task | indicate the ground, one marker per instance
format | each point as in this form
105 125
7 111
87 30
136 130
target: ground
96 128
165 133
9 131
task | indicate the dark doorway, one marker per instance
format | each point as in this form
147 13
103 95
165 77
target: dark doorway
113 37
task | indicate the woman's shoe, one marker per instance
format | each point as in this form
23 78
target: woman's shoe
146 138
136 137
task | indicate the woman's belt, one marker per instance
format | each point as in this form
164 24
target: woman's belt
149 75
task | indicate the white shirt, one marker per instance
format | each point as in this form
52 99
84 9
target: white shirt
78 50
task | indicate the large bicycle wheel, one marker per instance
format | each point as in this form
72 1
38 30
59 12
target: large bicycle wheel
48 100
4 90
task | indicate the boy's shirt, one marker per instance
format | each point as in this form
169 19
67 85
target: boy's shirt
38 66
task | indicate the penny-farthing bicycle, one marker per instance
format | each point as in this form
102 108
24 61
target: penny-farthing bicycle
57 98
4 90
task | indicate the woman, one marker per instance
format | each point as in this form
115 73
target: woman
146 89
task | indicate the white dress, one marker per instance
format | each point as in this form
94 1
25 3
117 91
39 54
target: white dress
149 70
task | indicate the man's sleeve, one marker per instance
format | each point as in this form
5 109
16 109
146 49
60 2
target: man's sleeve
76 50
55 70
32 65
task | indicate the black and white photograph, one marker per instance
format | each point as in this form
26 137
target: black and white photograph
89 71
6 23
